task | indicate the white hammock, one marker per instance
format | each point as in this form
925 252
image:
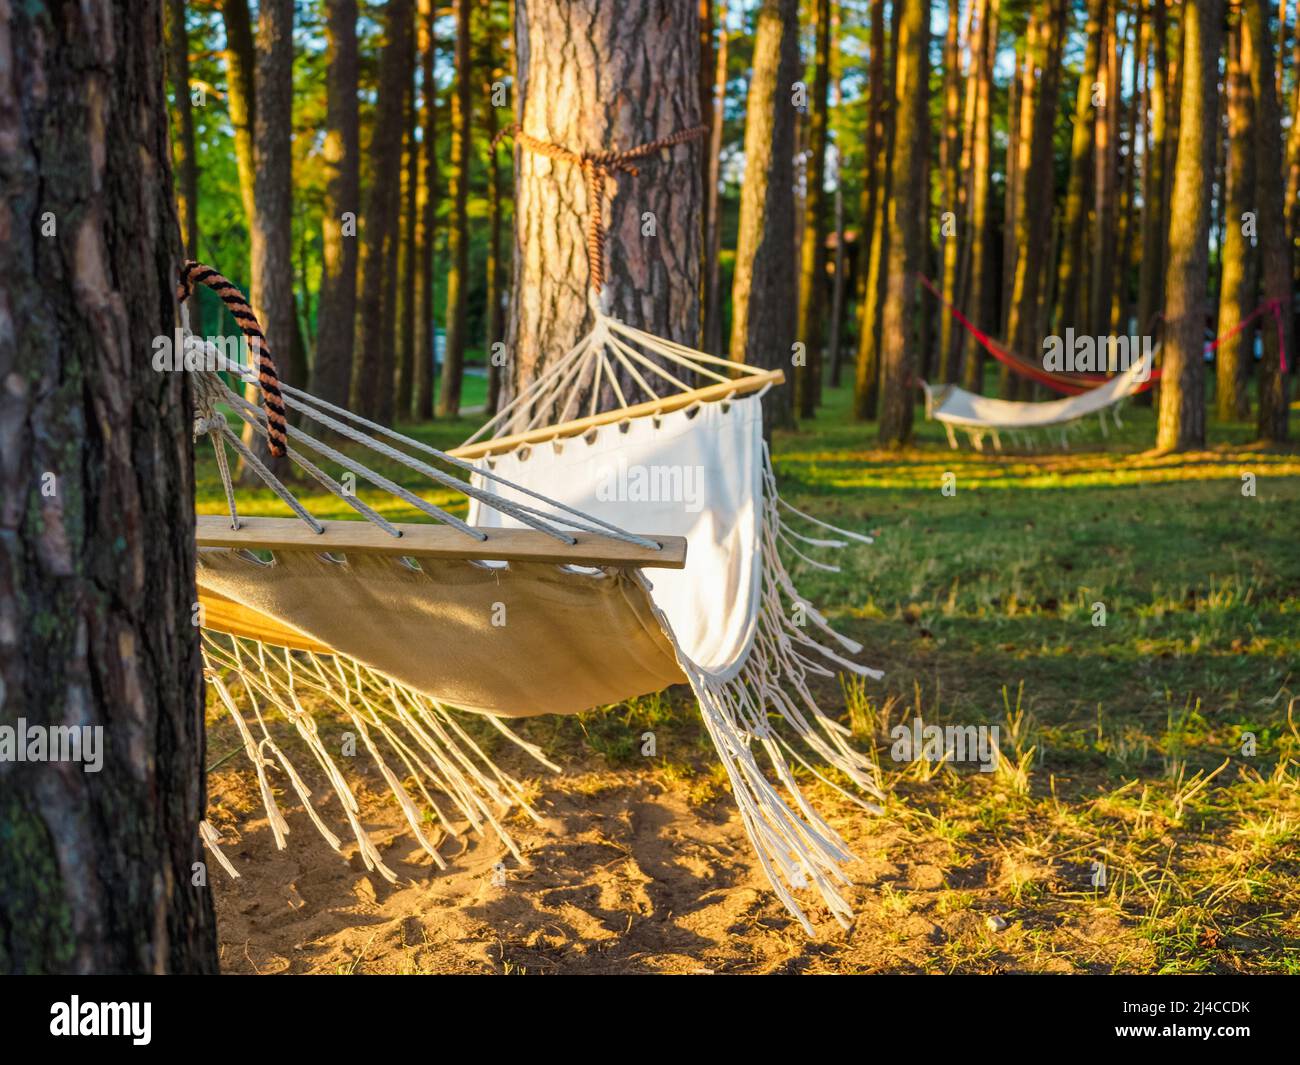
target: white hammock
956 407
394 634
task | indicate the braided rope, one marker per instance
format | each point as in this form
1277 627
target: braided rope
598 170
268 379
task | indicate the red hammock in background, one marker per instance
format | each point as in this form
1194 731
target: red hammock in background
1073 384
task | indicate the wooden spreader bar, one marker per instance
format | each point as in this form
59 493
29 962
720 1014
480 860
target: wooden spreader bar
438 541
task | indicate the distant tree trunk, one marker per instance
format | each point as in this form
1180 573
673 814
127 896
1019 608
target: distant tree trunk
1293 148
187 169
96 507
960 293
426 323
906 212
713 193
706 76
495 292
763 323
1011 184
1275 247
406 273
839 288
1151 274
979 306
372 373
1069 301
1181 423
872 143
812 272
270 226
866 384
341 155
950 150
462 118
626 76
1105 156
241 98
1126 212
1239 284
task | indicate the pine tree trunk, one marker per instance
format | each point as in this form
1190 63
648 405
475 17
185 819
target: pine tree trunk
407 268
812 273
1154 234
98 869
1275 247
1239 284
495 292
183 149
950 151
462 119
426 324
907 200
763 323
1181 424
341 156
371 388
1102 274
241 99
625 75
979 306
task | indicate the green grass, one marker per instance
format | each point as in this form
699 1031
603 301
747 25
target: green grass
1123 743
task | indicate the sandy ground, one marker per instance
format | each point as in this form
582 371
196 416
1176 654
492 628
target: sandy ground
626 875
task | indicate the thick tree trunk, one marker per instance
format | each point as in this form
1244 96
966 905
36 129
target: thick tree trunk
979 307
341 156
594 76
1275 247
812 272
906 214
1239 280
763 323
371 388
462 119
96 507
1181 424
426 324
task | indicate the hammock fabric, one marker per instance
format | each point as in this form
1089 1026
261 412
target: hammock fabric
401 645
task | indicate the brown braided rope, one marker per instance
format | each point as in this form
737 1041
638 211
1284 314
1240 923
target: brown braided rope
598 170
268 379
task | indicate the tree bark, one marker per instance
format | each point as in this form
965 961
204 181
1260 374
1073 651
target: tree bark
979 307
1275 247
241 99
407 269
713 325
496 322
96 506
1102 274
1154 234
763 322
462 118
950 150
812 272
426 325
183 150
906 211
341 157
1181 423
1239 281
371 387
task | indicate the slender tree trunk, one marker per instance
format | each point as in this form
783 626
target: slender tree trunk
98 870
763 322
1239 284
183 150
462 119
1102 274
406 274
1151 275
426 324
341 156
1016 135
899 358
980 300
241 99
713 325
1275 247
372 371
495 309
1181 424
1126 223
1293 148
812 274
950 151
627 75
835 342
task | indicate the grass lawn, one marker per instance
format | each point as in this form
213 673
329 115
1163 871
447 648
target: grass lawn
1144 813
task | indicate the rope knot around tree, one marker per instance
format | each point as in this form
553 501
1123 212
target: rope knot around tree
598 170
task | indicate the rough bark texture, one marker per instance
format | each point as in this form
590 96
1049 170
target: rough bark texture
1275 248
601 74
906 212
1181 422
96 577
462 117
812 270
1239 279
763 317
341 158
372 369
426 324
